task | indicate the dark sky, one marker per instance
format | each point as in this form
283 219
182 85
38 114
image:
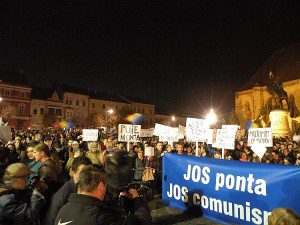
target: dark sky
168 52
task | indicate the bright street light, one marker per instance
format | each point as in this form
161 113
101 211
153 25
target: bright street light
1 99
211 117
111 111
173 118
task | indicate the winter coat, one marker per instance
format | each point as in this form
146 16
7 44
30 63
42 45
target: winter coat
139 168
19 207
83 210
59 199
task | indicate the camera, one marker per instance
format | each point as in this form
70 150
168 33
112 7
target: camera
143 190
38 183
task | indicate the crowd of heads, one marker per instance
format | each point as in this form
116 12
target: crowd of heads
97 165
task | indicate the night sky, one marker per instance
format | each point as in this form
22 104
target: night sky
171 53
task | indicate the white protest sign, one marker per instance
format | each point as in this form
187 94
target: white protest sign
160 130
89 135
233 128
211 137
5 133
181 132
225 139
149 151
196 129
129 133
259 149
147 132
296 138
262 136
170 135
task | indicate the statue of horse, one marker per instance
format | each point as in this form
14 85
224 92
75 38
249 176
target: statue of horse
275 88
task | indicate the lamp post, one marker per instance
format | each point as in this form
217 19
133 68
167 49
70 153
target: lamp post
110 111
211 117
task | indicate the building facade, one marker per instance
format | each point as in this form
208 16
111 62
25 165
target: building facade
15 104
43 105
253 96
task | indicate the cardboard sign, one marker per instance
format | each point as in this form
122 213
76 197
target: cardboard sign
147 132
129 133
262 136
149 151
170 135
296 138
233 128
259 150
160 130
181 132
196 129
5 133
225 139
212 135
89 135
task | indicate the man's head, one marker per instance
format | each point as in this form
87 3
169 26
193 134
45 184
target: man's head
41 152
159 146
180 148
77 165
38 137
48 141
92 181
94 146
70 142
140 154
75 145
16 176
30 152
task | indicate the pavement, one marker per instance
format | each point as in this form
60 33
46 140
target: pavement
165 215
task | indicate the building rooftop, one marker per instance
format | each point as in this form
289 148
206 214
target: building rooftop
284 63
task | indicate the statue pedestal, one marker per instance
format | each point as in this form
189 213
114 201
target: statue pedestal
280 123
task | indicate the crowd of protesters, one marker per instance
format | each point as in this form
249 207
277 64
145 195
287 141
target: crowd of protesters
51 177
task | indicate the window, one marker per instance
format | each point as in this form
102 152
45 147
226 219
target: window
77 102
67 101
51 111
117 107
35 111
103 106
5 108
7 93
93 105
143 111
103 116
247 107
70 102
22 94
150 111
42 111
83 103
21 109
58 112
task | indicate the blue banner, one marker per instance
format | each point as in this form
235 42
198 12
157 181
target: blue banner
229 191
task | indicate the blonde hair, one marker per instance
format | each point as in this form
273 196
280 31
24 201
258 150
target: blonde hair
283 216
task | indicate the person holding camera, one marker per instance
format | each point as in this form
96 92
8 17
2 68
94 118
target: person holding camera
88 205
18 205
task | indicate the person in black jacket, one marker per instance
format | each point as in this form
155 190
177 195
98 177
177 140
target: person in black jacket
18 205
88 207
61 197
119 171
